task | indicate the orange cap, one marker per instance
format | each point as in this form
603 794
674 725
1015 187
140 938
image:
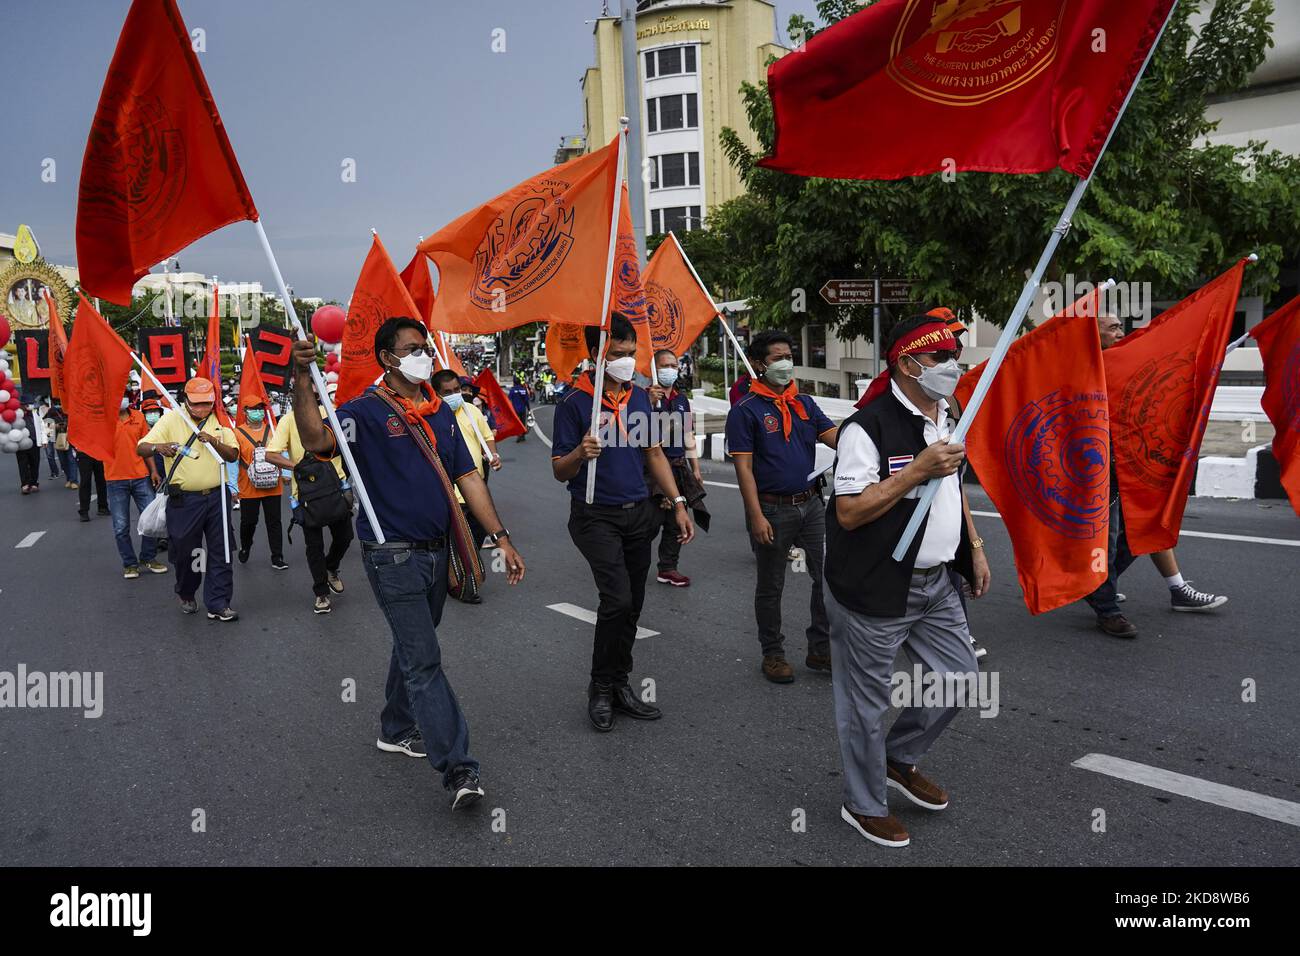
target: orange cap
200 390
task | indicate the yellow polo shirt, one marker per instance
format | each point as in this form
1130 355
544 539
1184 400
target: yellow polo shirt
200 471
471 420
286 441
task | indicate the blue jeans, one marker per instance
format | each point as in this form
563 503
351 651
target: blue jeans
1105 600
120 495
411 588
68 461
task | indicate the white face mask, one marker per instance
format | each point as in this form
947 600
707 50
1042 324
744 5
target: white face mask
621 370
416 368
938 381
667 377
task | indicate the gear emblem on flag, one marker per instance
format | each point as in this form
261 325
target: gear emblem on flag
1058 456
1156 408
664 312
524 249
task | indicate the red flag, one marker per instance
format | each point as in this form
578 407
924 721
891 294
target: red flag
1279 346
1041 448
58 346
1161 381
159 172
210 367
909 87
537 251
251 384
379 295
97 365
678 308
508 423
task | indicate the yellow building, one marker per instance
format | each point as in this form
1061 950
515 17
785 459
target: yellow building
693 57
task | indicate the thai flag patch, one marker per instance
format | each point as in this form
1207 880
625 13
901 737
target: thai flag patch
898 462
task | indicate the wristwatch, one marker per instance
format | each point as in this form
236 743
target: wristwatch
977 543
496 536
681 498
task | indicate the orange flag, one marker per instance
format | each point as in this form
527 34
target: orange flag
564 341
453 360
677 306
416 279
1161 381
97 365
380 294
210 367
1279 346
58 346
537 251
159 171
250 383
1041 448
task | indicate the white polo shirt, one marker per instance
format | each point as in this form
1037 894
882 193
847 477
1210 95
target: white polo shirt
857 466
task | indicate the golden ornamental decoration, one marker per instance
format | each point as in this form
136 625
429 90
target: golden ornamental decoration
21 301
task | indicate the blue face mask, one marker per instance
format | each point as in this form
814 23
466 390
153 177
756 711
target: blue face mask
255 415
454 401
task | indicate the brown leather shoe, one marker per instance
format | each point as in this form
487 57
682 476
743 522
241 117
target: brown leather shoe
1117 626
777 669
886 831
818 662
916 788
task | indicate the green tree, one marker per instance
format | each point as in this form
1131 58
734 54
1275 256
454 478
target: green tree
1163 207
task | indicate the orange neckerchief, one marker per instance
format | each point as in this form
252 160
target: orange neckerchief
784 402
415 412
584 384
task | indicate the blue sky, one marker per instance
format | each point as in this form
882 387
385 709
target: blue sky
409 89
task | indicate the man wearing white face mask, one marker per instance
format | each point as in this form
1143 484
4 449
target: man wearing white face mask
672 411
888 450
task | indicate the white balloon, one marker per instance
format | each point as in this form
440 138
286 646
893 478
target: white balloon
25 444
20 433
331 377
4 396
18 415
4 426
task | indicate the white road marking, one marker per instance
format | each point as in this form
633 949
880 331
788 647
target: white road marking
538 429
1249 539
721 484
30 540
582 614
1221 795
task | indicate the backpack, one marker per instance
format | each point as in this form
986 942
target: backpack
262 475
320 492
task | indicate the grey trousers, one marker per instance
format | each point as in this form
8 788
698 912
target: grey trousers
803 525
933 632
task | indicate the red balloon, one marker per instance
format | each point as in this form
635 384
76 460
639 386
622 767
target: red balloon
4 331
13 404
327 323
8 415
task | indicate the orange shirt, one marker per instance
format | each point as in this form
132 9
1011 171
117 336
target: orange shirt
261 433
125 463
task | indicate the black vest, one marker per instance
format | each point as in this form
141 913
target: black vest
860 569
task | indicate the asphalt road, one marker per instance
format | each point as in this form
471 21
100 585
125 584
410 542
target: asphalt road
246 721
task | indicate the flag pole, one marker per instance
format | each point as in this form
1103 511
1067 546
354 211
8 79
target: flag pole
319 381
1008 336
598 392
221 462
726 328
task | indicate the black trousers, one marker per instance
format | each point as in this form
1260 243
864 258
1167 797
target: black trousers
670 549
198 548
29 469
249 509
320 562
88 468
616 543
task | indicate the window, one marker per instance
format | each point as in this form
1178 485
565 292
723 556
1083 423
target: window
674 169
670 61
676 219
679 111
817 346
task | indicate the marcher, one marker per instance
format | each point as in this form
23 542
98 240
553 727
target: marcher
772 434
408 450
474 429
131 478
887 449
67 457
672 410
286 450
29 459
90 476
614 533
43 432
519 402
1105 601
260 487
195 512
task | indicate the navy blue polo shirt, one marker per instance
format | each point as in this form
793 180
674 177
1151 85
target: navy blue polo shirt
781 467
404 489
620 469
672 432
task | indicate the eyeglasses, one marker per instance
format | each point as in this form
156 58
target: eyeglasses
428 350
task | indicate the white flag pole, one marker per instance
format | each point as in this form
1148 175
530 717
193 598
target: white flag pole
1238 343
931 487
598 391
319 381
221 462
725 327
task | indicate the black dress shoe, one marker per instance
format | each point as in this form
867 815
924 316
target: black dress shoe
626 702
600 706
